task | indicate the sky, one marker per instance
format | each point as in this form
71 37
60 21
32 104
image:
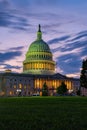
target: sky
64 28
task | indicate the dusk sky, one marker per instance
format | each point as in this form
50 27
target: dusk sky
64 27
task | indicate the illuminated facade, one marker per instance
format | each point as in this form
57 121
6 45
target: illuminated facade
38 68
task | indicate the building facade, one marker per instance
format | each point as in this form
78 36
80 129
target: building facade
38 68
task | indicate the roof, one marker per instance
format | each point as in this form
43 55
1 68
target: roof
39 46
54 76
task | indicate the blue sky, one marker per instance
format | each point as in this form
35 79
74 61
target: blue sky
64 27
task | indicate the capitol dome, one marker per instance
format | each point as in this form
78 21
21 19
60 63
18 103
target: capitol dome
39 46
39 57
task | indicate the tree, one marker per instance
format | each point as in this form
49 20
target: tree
78 92
83 76
45 90
62 89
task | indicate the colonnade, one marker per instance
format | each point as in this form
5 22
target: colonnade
44 66
51 83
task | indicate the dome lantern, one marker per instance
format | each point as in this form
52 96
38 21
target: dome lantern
39 33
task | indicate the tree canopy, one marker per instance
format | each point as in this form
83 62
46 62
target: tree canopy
83 76
62 89
45 90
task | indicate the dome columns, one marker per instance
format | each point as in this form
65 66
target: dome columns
39 66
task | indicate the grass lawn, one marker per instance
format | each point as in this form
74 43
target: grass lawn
43 113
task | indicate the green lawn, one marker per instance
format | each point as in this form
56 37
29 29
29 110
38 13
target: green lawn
43 113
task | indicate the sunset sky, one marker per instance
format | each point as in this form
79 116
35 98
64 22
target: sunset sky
64 27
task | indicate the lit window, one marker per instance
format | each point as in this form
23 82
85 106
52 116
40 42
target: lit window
20 86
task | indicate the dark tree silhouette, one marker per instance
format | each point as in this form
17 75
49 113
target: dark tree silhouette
62 89
45 90
83 76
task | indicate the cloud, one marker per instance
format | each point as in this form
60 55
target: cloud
69 51
75 75
81 35
7 66
22 19
34 3
10 53
56 40
4 19
67 44
16 48
82 32
11 20
72 66
4 4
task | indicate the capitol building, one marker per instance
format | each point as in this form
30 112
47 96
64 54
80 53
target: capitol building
38 68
